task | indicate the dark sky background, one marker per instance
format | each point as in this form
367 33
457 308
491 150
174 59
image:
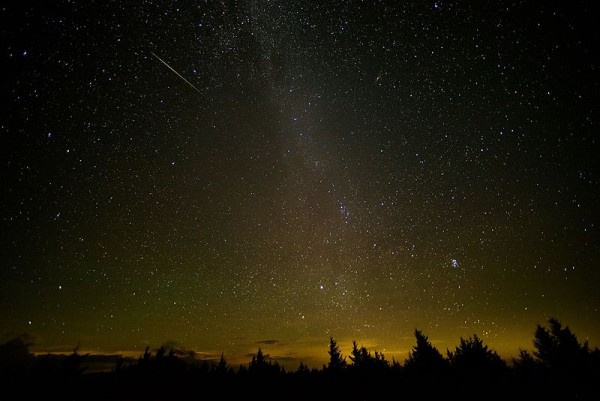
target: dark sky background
236 174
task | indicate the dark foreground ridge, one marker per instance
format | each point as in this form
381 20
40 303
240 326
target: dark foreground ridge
559 368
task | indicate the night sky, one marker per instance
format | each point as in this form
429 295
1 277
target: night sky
231 175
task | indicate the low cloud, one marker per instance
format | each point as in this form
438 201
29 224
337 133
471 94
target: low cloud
267 342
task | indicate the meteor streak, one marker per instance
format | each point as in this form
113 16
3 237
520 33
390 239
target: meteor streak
178 74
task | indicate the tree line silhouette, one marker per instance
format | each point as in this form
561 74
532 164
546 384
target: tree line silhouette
559 367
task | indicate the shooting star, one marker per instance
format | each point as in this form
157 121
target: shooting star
178 74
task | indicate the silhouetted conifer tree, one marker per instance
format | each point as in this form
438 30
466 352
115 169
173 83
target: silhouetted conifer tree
358 355
258 361
526 367
336 361
303 370
558 347
471 355
222 367
362 359
259 364
242 370
425 359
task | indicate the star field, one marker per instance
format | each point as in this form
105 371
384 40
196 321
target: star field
229 174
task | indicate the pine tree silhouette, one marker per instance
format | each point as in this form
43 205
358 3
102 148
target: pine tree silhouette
425 359
222 368
475 357
336 361
558 347
363 360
